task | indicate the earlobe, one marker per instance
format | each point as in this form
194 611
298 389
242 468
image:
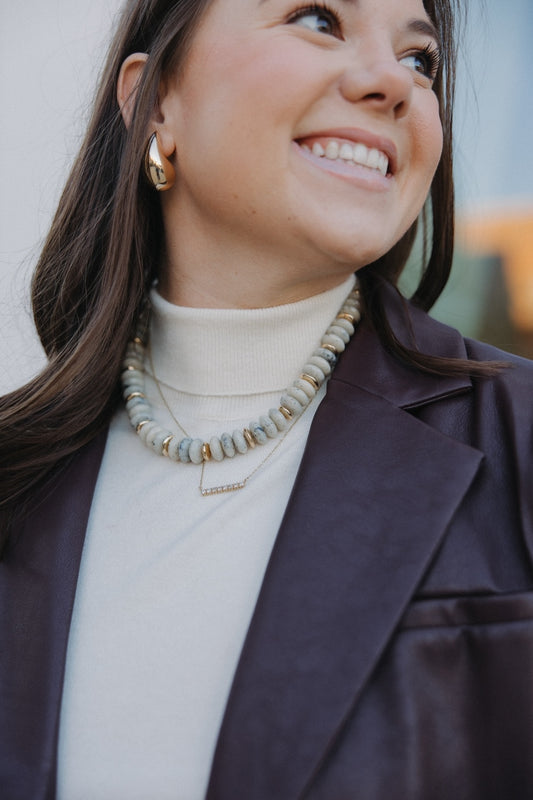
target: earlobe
128 81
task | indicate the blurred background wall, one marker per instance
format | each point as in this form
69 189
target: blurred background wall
490 294
50 56
51 52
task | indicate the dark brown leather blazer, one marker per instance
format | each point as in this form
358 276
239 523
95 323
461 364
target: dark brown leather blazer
390 655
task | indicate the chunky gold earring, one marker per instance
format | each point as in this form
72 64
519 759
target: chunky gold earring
157 167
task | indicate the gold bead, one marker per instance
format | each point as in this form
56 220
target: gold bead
206 452
287 413
141 425
309 378
166 444
138 340
249 438
329 347
347 316
135 394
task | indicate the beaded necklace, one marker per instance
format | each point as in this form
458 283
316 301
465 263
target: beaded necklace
293 402
205 491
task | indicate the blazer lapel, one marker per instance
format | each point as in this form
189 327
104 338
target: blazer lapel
359 533
37 586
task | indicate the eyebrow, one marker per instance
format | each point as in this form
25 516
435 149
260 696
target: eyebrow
423 26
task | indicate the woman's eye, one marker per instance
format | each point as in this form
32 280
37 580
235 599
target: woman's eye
318 19
426 62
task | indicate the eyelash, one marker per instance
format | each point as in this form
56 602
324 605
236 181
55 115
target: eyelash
432 56
320 9
430 53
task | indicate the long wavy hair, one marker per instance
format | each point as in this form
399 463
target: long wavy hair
104 246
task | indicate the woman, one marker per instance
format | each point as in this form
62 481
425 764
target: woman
334 599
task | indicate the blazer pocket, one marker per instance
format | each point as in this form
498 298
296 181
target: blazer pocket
468 610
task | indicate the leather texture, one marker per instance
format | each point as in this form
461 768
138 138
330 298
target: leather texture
390 654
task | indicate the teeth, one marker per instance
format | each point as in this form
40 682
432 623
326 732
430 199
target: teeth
360 154
356 154
373 159
332 150
346 152
383 165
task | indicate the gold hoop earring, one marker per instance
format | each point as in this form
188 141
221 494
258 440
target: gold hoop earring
157 167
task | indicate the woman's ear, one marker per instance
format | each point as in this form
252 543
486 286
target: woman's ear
128 81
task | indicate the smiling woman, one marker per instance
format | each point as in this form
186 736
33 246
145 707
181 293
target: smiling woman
259 85
310 573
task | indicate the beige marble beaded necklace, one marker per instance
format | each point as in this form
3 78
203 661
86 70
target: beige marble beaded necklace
281 420
206 491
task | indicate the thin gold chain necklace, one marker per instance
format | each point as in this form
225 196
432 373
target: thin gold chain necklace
298 396
222 488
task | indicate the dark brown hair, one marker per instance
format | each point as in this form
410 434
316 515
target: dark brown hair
104 246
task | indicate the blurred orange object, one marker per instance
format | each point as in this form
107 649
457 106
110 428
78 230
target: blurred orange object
507 233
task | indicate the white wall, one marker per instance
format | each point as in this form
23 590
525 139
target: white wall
50 54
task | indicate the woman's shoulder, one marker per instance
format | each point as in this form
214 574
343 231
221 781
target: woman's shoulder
515 377
482 351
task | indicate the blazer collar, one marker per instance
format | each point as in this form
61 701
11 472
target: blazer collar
368 365
358 535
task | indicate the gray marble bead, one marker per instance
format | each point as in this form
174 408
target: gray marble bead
156 442
134 386
335 341
337 330
183 450
129 402
314 372
327 355
241 445
132 376
132 361
305 387
346 324
353 310
321 363
135 348
299 395
227 445
135 402
269 427
141 408
293 405
139 417
148 431
195 451
278 419
215 445
174 449
258 432
134 352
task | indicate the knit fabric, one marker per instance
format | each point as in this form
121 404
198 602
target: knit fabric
169 579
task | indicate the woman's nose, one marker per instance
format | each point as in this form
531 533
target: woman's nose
379 80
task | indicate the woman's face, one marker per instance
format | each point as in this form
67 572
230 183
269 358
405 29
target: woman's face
304 133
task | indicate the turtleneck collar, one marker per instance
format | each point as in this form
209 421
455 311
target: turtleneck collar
229 352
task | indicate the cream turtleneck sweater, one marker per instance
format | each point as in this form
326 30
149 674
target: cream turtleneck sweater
169 579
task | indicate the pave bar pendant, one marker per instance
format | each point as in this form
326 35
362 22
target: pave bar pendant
229 487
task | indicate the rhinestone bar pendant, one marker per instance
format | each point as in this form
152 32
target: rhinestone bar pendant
229 487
